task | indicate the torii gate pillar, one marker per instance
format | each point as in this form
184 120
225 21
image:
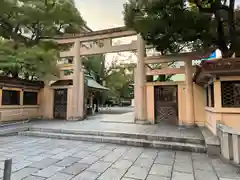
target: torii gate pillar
78 84
140 81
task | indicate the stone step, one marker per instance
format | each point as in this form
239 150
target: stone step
212 142
145 136
123 141
12 123
12 130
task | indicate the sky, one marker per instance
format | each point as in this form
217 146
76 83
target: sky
104 14
101 14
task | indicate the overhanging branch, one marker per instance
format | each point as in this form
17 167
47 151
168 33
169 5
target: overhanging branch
10 30
202 9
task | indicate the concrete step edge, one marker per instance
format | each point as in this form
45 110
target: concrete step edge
150 137
124 141
12 130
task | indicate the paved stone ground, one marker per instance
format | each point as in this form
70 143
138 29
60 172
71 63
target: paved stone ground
115 115
116 110
97 123
50 159
120 118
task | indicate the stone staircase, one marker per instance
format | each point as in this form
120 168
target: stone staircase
212 142
12 129
141 140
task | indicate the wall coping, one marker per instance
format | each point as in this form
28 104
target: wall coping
94 33
165 83
209 137
217 67
20 83
5 107
227 129
223 110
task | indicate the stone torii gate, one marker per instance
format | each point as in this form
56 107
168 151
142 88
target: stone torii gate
99 42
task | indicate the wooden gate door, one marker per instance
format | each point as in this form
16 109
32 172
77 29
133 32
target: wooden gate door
60 104
166 104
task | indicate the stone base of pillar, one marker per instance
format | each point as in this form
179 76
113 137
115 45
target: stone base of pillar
76 118
186 125
236 148
139 121
183 124
226 146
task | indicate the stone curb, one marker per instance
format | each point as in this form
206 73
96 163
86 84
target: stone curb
123 141
12 130
149 137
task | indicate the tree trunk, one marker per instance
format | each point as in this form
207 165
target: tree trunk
221 41
232 28
149 78
14 74
26 76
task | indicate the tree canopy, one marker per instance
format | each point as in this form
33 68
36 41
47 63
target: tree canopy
118 78
95 65
227 23
23 25
37 62
28 21
173 25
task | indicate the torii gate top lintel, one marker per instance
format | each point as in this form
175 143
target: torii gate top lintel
96 35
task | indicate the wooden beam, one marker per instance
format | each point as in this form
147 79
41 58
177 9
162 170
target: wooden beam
159 60
96 35
178 57
109 49
166 71
65 54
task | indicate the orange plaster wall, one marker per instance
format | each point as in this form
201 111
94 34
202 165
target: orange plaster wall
181 104
218 114
150 103
69 104
46 102
227 116
199 105
211 119
150 100
231 120
18 112
11 113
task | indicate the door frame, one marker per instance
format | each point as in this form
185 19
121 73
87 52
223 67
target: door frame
54 102
177 106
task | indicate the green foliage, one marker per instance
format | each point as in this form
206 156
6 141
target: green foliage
37 62
227 23
171 25
119 78
168 24
23 23
95 65
39 18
